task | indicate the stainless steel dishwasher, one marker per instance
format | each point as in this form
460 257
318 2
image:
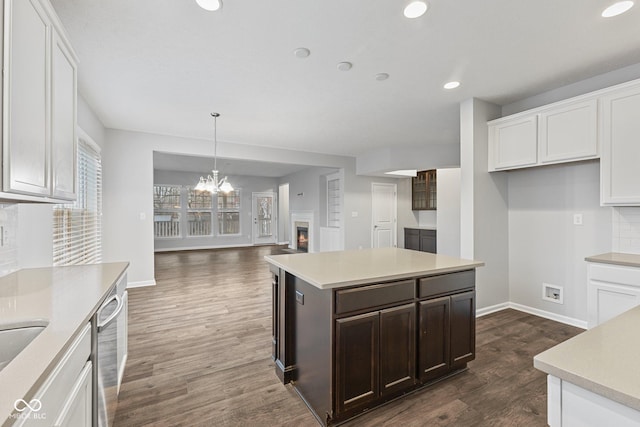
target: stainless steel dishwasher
106 360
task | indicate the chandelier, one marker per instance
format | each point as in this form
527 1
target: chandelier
211 183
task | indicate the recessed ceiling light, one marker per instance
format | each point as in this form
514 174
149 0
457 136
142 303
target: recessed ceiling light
617 9
415 9
382 76
302 52
344 66
403 172
210 4
451 85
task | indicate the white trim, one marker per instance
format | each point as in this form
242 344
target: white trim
491 309
530 310
88 140
141 284
548 315
197 248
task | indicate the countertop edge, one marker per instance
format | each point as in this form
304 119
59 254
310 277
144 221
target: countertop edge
615 258
332 285
592 386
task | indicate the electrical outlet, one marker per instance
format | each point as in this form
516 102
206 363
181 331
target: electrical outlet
577 219
1 236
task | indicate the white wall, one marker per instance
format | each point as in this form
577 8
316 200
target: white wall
283 213
483 206
544 244
448 212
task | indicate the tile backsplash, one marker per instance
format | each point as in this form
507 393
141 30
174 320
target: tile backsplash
626 230
8 238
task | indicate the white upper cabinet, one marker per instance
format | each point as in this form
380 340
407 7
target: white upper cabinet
562 132
39 105
569 133
620 161
63 120
513 143
26 84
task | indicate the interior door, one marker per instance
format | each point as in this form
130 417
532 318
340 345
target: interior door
264 218
384 215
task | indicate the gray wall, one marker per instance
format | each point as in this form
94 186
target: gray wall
544 244
483 208
246 184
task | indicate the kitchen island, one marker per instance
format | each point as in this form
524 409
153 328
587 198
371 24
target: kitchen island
353 330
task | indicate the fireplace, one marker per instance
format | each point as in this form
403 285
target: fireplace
301 235
302 239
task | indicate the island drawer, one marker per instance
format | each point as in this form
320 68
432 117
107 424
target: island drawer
374 295
446 283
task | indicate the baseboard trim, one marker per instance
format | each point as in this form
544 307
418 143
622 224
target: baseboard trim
197 248
491 309
141 284
548 315
530 310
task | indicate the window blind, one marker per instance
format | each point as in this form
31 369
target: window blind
77 228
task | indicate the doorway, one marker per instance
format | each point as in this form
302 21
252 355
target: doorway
264 218
384 215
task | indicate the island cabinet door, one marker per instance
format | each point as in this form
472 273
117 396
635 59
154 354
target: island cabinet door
357 359
463 328
397 349
434 342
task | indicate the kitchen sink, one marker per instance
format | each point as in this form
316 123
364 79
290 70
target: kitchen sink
14 337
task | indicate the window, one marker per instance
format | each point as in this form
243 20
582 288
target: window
166 210
181 211
229 213
77 228
199 206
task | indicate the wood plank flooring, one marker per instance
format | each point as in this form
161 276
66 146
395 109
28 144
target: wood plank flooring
200 343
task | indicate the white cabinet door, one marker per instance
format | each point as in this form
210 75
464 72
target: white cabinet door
77 410
612 290
26 137
569 132
513 143
63 120
619 163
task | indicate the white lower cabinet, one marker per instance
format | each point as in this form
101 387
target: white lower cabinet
612 290
570 405
65 398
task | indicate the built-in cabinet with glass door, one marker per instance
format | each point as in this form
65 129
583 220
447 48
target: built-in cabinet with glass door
424 191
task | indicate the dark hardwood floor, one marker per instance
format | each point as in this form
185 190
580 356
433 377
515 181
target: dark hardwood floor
200 355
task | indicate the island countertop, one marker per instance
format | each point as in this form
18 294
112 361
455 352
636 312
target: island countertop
64 298
327 270
601 360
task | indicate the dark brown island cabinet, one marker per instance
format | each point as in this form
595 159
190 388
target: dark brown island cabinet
350 348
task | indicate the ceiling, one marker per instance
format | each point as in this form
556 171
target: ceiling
162 66
232 167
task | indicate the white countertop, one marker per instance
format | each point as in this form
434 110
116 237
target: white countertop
603 360
66 297
616 258
326 270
